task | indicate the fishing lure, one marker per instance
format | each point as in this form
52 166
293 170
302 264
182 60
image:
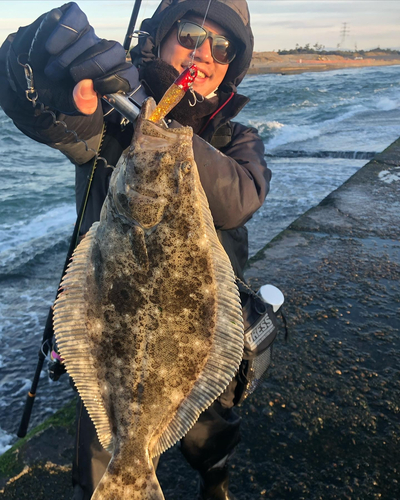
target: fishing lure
174 94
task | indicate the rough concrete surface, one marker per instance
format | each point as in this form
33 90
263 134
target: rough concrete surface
325 422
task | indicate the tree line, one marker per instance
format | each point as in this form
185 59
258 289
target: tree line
318 48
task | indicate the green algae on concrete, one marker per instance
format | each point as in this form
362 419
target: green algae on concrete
46 450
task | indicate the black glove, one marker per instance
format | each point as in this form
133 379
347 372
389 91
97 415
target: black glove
62 49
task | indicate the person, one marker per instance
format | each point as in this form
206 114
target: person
62 49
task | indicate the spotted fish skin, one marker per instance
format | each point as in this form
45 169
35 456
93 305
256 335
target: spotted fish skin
150 300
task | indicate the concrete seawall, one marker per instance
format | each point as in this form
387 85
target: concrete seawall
325 423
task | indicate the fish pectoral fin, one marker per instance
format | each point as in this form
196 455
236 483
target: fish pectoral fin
138 244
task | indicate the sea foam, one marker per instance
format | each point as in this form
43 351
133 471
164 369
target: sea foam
5 441
22 231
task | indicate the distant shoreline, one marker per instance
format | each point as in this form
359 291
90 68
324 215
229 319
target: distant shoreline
272 62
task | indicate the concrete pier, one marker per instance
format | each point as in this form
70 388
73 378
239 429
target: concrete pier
325 423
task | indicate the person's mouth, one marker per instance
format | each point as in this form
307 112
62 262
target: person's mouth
200 74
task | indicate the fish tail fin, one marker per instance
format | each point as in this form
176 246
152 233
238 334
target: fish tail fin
133 482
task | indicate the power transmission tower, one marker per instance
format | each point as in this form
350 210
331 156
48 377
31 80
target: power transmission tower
344 32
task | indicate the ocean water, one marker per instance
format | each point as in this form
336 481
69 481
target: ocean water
318 130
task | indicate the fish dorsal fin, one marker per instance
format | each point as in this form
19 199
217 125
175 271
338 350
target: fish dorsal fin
72 339
226 353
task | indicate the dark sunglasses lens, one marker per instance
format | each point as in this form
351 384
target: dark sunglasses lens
223 50
190 35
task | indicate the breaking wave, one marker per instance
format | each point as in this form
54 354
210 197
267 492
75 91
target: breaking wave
6 441
47 224
280 134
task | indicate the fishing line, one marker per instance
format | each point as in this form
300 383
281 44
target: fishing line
136 34
145 7
42 347
202 25
195 98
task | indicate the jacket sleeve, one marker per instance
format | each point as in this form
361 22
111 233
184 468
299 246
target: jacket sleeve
236 181
39 126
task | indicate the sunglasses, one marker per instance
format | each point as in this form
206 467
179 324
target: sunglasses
192 35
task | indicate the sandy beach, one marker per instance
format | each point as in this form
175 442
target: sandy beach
272 62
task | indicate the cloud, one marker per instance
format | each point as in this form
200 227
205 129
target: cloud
276 23
283 23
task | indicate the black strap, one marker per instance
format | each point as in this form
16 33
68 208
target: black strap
285 325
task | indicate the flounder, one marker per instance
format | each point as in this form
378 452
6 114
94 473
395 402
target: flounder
149 321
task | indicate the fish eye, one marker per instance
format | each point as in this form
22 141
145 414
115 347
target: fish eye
186 166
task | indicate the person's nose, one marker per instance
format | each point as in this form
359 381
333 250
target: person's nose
203 53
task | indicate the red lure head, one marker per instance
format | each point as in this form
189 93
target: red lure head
186 78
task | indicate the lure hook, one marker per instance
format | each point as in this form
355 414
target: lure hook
195 98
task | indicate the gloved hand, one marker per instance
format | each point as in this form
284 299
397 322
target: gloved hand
63 49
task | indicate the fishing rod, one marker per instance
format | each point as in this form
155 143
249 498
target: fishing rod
48 332
119 101
130 111
126 107
131 27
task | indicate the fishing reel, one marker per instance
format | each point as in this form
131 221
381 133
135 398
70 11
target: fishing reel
55 367
86 98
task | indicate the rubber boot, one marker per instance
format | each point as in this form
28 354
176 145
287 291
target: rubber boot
214 484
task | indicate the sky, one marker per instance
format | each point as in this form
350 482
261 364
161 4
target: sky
277 24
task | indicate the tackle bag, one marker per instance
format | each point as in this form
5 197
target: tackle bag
260 331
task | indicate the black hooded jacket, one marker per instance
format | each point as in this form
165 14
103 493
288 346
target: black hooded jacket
235 182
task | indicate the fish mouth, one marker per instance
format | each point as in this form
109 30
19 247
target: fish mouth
152 137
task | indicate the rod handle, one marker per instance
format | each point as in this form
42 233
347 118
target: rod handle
86 100
23 426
